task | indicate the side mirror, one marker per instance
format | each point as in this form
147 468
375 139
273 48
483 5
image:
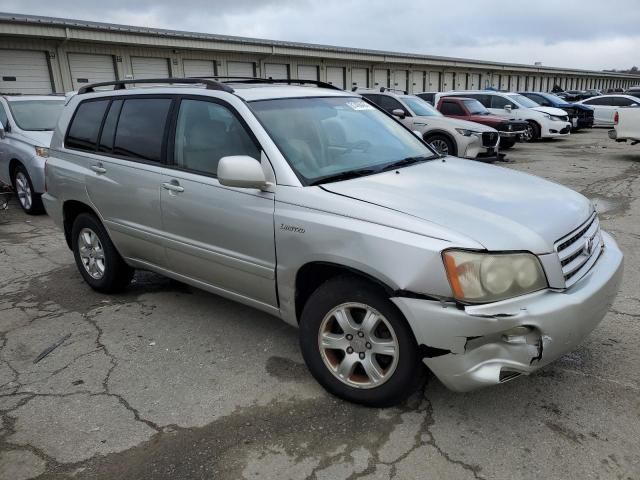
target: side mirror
241 171
507 108
2 132
398 112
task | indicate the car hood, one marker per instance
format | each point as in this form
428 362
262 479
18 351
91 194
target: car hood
558 112
447 122
37 138
500 208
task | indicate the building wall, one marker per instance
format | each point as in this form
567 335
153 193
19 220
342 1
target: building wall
448 74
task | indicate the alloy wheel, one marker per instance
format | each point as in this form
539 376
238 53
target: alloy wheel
91 253
440 146
358 345
23 189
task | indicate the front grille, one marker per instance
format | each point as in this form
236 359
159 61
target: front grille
511 126
489 139
579 250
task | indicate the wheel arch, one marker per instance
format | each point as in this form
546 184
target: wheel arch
313 274
70 211
444 133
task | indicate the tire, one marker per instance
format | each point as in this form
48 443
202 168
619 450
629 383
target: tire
29 200
387 379
533 131
441 144
507 144
97 259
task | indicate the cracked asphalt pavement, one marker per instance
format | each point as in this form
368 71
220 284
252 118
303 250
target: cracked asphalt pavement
168 382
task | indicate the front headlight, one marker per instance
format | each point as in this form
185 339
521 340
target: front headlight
466 132
42 152
485 277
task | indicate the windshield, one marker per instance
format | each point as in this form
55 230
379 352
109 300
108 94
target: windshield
476 108
523 101
420 107
556 99
332 137
36 114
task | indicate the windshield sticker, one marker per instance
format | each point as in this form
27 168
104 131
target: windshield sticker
360 106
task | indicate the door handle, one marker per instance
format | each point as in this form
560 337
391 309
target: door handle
99 169
173 186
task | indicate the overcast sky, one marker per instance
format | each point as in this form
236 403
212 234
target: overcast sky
571 33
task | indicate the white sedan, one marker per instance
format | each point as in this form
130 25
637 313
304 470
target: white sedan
605 106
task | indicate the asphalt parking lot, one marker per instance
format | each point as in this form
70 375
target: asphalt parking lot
168 382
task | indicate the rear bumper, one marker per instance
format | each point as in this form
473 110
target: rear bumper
476 346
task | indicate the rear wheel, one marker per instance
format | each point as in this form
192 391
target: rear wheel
357 344
97 259
441 144
29 200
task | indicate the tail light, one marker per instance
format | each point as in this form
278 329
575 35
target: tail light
45 175
616 117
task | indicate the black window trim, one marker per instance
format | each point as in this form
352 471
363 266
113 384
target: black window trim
110 99
171 140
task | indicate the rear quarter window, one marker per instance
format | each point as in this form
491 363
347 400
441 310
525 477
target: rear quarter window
85 125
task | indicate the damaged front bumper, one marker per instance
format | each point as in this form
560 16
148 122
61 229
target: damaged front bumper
489 344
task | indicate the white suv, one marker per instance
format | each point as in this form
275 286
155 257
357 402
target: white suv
448 136
544 122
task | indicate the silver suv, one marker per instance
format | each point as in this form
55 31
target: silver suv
311 204
26 127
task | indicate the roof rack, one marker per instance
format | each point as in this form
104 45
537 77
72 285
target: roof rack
120 84
288 81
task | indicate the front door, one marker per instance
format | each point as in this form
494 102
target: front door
217 235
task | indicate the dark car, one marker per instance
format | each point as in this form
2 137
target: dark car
427 96
580 116
472 110
634 91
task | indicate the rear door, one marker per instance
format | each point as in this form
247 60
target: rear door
603 109
217 235
125 165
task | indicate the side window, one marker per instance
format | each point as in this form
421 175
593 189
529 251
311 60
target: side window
109 128
374 98
140 130
390 104
452 108
206 132
500 102
3 117
622 102
598 101
483 99
539 99
85 126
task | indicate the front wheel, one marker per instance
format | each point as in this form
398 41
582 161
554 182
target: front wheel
29 200
357 344
441 144
532 132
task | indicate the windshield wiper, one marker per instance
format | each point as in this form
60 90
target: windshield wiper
407 161
349 174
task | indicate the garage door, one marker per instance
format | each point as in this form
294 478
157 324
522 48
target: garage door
417 81
149 67
24 71
276 70
461 81
474 81
400 79
241 69
335 76
307 72
199 68
380 78
89 68
359 77
434 82
447 84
